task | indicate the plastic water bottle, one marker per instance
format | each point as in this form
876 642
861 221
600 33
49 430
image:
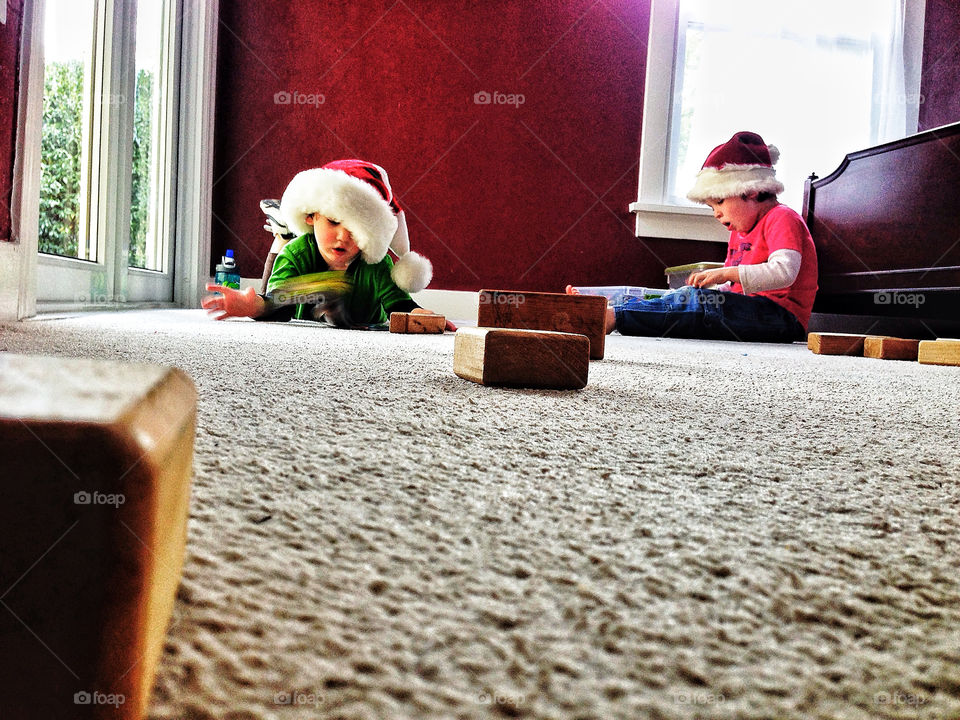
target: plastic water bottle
227 274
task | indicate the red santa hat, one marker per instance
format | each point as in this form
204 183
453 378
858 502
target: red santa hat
358 195
743 164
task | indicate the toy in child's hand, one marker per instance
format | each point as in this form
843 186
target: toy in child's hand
275 224
322 288
325 291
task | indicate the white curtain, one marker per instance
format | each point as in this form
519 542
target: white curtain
890 88
819 79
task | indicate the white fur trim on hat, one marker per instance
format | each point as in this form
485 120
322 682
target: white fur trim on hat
400 244
733 181
412 272
345 199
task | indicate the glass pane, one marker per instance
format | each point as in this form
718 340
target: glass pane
801 74
68 48
146 246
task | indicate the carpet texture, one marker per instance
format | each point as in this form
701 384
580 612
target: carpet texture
707 530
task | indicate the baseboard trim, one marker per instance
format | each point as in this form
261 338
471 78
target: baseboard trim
460 306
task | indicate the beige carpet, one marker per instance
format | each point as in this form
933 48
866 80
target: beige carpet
707 530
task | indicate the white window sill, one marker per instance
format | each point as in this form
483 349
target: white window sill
677 222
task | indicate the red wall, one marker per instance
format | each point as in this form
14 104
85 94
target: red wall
530 195
9 78
496 195
940 79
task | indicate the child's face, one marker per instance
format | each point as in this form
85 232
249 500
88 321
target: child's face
334 241
737 213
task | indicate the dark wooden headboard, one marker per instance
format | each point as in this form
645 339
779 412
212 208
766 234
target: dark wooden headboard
886 224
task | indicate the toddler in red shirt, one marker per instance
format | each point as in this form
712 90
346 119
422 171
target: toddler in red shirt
766 289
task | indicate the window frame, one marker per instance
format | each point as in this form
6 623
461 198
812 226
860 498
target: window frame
191 154
655 216
104 279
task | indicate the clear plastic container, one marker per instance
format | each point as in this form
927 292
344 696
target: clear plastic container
226 274
616 294
677 275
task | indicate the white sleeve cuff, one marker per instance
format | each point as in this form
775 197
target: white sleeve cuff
779 271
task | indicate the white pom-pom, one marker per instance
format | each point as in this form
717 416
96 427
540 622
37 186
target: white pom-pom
412 272
774 153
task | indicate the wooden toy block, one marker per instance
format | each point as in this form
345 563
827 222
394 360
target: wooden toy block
890 348
835 343
522 358
95 470
939 352
559 312
401 322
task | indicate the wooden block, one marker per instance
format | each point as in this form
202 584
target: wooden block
939 352
95 469
522 358
835 343
401 322
559 312
890 348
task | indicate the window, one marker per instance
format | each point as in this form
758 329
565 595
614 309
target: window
151 152
65 152
818 79
181 151
105 235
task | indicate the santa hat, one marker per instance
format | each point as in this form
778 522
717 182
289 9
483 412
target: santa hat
357 194
743 164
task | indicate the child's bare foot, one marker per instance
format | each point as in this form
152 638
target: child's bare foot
571 290
611 320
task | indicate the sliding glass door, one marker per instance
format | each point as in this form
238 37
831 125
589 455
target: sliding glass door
106 197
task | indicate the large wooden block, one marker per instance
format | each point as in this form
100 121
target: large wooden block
401 322
559 312
95 469
939 352
890 348
835 343
522 358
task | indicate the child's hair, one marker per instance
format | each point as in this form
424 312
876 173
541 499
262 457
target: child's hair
764 196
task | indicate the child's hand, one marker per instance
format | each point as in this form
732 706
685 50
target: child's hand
232 303
716 276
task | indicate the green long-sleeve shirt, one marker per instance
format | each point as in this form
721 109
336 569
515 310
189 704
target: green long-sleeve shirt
372 298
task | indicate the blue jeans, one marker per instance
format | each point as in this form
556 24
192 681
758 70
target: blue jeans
689 312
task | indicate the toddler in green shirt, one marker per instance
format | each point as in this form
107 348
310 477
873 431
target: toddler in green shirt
344 218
